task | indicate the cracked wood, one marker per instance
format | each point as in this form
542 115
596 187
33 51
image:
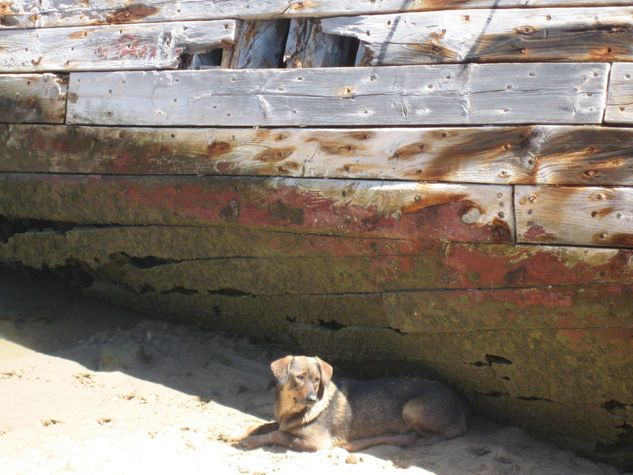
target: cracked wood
467 213
620 98
405 95
396 264
110 47
569 34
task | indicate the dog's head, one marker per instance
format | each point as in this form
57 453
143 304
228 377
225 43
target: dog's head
301 382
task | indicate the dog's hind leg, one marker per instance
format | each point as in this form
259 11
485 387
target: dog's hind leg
436 415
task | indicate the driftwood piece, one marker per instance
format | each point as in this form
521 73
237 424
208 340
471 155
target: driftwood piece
110 47
575 215
582 155
477 213
39 98
407 95
571 34
55 13
619 108
308 47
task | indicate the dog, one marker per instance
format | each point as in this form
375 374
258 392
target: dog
314 412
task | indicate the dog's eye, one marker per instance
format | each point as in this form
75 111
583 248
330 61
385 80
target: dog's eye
300 378
316 380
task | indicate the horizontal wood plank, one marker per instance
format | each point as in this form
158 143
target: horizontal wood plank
54 13
110 47
570 155
477 213
406 95
619 108
381 264
567 307
538 154
575 215
543 34
33 98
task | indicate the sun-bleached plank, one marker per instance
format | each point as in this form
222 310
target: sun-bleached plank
110 47
543 34
408 95
594 216
619 108
55 13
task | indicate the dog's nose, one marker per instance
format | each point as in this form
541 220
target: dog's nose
311 397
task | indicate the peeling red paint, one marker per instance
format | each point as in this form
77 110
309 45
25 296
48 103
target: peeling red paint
195 201
536 233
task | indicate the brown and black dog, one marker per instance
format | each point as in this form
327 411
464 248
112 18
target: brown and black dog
313 412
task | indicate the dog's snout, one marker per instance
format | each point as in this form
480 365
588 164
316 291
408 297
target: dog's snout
311 395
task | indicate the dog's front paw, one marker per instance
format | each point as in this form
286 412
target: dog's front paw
253 441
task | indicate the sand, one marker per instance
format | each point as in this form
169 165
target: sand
87 387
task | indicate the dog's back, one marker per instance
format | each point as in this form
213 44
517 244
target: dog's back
362 409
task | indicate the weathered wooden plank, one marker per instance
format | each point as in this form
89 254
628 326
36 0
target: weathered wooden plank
402 264
53 13
575 215
504 155
619 108
552 34
471 310
110 47
260 44
389 209
308 47
566 307
33 98
403 95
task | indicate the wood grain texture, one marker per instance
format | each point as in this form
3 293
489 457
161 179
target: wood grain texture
33 98
477 213
575 215
55 13
582 155
308 47
110 47
260 44
405 95
619 108
543 34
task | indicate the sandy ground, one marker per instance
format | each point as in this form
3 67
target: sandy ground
87 387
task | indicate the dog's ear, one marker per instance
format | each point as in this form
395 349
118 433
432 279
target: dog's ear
326 371
281 367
